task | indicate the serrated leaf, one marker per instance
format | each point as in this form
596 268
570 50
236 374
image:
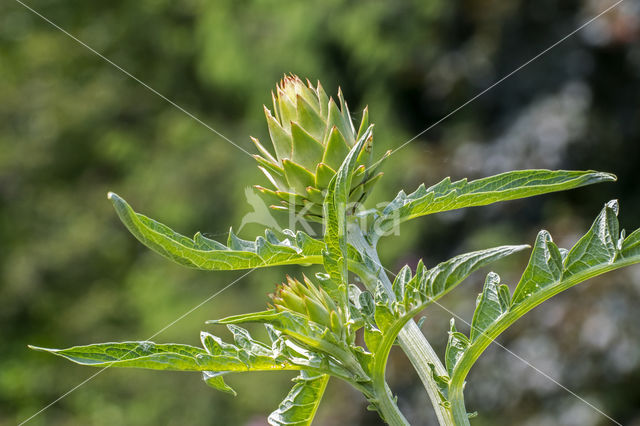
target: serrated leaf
204 253
442 382
489 307
550 271
447 195
216 381
384 317
173 357
301 403
544 268
599 245
335 205
310 334
428 285
367 304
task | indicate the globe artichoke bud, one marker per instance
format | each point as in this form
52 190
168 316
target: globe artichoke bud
311 136
310 301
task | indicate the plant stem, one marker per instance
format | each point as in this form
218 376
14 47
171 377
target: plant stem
388 407
413 342
456 397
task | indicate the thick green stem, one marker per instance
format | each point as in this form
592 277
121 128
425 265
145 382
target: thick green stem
412 341
421 355
458 409
388 407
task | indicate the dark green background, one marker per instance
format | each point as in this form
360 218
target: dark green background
73 127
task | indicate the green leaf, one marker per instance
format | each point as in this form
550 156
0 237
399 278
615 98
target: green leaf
204 253
490 305
448 195
456 345
301 403
372 338
335 215
216 359
550 271
216 381
428 285
173 357
414 292
312 335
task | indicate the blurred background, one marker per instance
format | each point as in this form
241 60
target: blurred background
73 127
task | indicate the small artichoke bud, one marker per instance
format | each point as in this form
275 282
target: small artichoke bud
311 135
308 300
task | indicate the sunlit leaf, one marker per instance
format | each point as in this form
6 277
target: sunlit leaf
167 357
447 195
550 271
301 403
335 214
203 253
311 335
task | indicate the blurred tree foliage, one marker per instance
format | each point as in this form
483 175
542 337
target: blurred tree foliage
73 127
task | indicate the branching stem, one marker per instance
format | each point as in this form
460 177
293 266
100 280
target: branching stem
412 341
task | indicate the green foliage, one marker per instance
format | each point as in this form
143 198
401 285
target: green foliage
74 127
447 195
550 271
204 253
335 213
301 403
312 326
384 314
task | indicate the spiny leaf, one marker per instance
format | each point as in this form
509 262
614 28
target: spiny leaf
550 271
544 268
167 357
428 285
448 195
414 293
490 305
312 335
204 253
301 403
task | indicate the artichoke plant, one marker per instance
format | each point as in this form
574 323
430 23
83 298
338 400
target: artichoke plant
311 135
313 328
